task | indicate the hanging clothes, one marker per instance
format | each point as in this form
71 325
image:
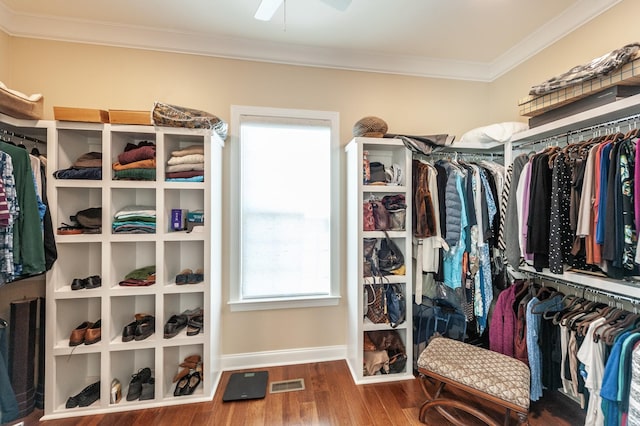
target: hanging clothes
28 251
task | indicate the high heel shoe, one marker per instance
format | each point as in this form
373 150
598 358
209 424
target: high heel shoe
116 391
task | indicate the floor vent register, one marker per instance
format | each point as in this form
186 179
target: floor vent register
287 386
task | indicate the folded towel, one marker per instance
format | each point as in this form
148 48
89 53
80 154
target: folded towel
185 174
90 159
143 153
135 174
185 167
142 164
193 149
191 158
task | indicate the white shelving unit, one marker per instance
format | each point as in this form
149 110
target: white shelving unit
388 152
112 256
609 113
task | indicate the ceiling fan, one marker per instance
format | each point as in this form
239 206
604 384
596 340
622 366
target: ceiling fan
267 8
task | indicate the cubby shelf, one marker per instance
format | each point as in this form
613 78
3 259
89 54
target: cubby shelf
388 152
112 256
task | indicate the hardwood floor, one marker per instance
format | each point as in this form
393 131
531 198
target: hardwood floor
330 397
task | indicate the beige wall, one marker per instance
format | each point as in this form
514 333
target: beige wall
104 77
4 54
611 30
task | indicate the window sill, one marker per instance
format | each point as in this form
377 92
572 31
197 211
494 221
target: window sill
288 303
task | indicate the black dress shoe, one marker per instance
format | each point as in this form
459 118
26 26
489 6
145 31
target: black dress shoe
86 397
135 385
148 390
192 383
94 281
129 331
78 284
182 384
175 324
145 328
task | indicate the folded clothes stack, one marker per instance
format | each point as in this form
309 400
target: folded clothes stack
140 277
87 166
137 162
186 165
135 220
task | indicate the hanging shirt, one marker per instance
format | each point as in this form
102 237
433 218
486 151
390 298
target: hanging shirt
591 354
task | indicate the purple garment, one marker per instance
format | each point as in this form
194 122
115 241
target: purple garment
636 189
5 214
145 152
525 211
503 323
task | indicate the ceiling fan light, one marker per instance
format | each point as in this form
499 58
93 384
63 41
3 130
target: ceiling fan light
266 9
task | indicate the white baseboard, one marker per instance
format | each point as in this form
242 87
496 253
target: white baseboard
283 357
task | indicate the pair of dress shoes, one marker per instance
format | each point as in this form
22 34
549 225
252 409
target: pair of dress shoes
86 397
87 333
143 327
94 281
141 386
187 276
189 377
192 319
187 384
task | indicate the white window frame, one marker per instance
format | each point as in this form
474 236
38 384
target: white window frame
236 301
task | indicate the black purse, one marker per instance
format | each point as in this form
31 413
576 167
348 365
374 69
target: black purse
390 258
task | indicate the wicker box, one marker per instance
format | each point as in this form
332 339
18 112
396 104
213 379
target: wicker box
627 75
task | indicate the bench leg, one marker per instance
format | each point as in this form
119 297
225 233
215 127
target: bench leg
523 419
441 405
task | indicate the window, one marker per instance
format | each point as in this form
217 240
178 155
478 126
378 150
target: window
284 212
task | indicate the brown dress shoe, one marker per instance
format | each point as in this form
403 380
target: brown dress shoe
77 335
94 333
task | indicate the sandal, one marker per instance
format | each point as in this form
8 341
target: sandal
195 325
183 276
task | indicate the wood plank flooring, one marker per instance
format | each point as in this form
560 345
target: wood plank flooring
330 397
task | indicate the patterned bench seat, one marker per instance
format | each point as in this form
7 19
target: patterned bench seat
486 374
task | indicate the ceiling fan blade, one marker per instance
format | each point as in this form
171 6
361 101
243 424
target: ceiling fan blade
266 9
341 5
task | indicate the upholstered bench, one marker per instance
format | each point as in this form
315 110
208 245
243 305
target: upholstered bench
488 375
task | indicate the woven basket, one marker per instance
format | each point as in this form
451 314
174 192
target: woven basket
371 127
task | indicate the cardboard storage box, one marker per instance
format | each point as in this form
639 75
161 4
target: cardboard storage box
122 116
80 114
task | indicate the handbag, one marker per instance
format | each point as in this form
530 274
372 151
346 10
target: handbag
397 362
396 304
368 219
377 172
370 257
376 303
396 208
390 258
380 215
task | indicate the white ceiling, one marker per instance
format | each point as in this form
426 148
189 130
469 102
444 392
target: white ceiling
463 39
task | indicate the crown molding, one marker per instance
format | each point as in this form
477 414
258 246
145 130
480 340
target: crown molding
562 25
118 35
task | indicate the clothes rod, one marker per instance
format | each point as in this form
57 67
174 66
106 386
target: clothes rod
628 120
19 136
584 288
